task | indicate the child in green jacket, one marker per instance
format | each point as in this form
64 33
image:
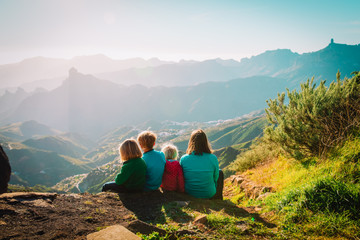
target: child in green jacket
132 175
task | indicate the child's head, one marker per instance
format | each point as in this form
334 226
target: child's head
198 143
129 149
170 151
147 140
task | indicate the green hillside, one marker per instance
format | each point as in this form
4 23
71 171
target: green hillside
28 129
92 181
42 167
58 144
315 186
232 132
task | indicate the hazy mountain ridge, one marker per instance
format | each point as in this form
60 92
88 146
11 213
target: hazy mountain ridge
280 63
39 68
91 106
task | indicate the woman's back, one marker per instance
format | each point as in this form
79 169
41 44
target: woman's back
201 173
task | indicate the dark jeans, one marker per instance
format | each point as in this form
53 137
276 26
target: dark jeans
113 187
219 187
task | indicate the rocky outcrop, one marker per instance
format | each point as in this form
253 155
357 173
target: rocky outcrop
33 215
251 189
5 171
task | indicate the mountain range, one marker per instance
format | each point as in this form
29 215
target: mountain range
87 105
40 71
75 126
294 68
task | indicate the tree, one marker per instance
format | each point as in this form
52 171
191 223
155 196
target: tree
315 118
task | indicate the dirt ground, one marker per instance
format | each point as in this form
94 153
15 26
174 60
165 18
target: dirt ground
28 215
73 216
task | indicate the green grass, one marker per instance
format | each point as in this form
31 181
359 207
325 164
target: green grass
314 197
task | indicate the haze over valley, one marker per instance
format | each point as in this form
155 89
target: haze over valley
78 125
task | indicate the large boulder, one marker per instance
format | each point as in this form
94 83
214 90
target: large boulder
5 171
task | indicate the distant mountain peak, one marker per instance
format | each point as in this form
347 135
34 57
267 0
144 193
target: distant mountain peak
73 72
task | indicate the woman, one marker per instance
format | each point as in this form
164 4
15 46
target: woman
201 168
132 175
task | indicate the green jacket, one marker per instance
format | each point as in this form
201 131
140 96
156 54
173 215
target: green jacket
132 174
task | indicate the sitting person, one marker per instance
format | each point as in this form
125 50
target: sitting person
173 178
155 160
132 175
201 168
5 171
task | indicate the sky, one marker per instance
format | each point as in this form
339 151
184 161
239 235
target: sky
172 30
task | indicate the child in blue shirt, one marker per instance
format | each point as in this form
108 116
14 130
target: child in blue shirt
155 160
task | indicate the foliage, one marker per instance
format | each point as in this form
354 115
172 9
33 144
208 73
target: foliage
316 118
324 195
259 152
324 207
152 236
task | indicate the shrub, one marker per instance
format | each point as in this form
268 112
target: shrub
259 152
316 118
324 195
333 196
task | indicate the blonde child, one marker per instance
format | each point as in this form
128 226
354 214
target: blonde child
132 175
173 178
155 160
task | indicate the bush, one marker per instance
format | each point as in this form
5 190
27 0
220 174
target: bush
316 118
259 152
325 195
333 196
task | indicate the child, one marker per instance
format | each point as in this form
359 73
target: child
173 178
155 160
132 175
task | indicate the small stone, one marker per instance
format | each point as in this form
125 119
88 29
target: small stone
202 219
115 232
243 227
144 228
182 203
264 195
258 209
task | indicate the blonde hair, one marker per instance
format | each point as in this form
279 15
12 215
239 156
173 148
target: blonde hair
129 149
147 139
198 143
170 151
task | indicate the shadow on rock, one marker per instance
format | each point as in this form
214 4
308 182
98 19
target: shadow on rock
146 205
151 206
229 208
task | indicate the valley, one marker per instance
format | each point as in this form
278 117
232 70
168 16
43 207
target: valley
292 170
